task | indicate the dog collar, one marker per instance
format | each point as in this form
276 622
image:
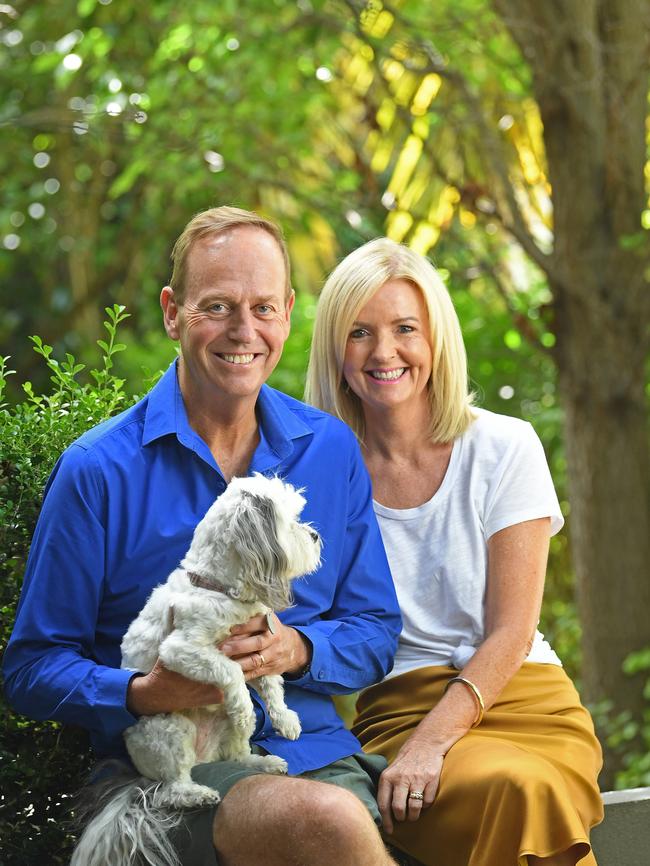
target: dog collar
202 583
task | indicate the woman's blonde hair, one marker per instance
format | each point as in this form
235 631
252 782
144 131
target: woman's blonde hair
350 286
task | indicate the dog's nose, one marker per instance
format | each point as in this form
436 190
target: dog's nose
314 535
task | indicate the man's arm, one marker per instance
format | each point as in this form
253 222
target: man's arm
49 668
50 663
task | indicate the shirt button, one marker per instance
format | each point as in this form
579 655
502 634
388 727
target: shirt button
321 675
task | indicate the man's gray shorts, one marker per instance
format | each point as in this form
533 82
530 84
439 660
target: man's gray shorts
193 839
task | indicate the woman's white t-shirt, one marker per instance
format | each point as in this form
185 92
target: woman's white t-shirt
497 476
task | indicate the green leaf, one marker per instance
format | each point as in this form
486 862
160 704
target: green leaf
636 662
86 7
126 179
512 339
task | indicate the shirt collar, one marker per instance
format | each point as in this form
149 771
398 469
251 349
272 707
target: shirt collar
279 425
165 411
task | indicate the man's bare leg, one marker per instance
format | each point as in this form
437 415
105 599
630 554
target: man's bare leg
295 822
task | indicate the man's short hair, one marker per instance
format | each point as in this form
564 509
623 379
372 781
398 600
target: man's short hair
212 222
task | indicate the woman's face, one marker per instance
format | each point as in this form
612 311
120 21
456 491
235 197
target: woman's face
388 354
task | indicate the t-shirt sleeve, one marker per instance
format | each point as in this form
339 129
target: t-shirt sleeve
521 487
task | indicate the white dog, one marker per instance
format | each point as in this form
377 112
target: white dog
243 556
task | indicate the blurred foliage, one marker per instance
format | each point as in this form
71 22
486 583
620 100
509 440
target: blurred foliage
119 121
626 735
136 116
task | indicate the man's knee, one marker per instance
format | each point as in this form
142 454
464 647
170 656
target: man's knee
285 813
340 811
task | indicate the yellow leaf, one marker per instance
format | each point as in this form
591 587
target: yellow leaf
424 237
397 224
467 219
379 25
405 165
425 94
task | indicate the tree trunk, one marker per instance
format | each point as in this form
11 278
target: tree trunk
589 61
601 383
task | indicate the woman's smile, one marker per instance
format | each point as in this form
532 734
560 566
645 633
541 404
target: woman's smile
387 376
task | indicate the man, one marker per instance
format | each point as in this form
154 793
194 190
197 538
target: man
119 513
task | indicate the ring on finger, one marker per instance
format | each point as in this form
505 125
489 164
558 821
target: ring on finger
416 795
262 660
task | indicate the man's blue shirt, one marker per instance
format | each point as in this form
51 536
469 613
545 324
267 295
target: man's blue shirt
118 516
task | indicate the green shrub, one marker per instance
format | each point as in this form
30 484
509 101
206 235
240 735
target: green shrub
41 763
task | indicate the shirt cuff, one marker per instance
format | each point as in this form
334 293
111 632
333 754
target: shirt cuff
317 671
110 701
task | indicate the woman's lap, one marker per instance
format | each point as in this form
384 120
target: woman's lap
524 781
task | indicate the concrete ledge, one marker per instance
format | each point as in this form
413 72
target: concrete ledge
623 839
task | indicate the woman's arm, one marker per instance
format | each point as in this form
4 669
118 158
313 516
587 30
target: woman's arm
517 558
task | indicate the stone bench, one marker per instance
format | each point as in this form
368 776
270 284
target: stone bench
623 839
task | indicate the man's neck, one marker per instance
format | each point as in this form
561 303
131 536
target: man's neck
232 445
229 429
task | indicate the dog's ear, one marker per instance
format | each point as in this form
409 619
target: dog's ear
264 562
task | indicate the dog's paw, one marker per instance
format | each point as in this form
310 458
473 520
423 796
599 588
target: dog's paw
185 795
263 763
289 725
273 764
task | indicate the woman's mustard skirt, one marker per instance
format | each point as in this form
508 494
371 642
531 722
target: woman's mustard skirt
522 782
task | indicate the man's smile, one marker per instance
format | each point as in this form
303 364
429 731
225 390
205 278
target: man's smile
236 358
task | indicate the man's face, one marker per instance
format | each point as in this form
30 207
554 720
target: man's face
234 319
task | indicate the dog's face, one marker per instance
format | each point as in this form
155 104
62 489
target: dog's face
252 541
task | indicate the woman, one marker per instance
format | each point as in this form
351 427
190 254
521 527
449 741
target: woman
492 759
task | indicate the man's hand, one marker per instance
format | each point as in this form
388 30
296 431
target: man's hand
164 691
261 652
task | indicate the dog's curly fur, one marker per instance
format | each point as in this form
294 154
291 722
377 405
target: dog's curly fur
243 556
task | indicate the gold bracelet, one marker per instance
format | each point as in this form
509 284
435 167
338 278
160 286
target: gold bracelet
478 697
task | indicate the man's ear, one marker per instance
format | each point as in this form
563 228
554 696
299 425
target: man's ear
170 312
288 307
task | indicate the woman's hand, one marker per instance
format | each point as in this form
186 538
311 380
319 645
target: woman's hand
416 768
165 691
261 651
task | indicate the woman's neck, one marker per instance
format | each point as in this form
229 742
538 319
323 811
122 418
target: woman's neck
398 434
406 466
